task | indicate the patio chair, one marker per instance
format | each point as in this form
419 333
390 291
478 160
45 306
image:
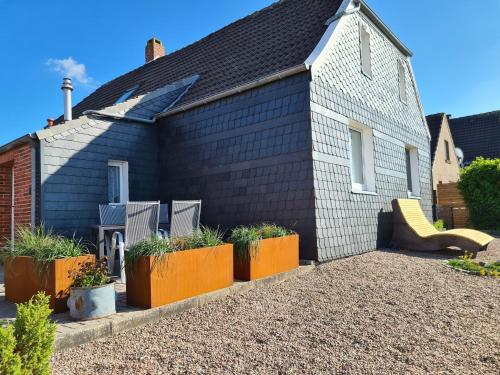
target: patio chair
185 218
163 223
112 214
412 231
141 223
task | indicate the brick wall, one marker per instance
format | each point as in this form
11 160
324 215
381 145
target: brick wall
18 160
248 157
5 198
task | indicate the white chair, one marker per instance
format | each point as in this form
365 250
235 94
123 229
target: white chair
185 218
141 223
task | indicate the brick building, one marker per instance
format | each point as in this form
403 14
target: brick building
305 113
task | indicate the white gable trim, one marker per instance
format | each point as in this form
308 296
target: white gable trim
330 37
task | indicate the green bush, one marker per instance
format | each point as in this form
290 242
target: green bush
439 225
35 335
27 345
245 239
10 361
480 187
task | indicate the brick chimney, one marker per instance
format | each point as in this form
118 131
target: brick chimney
154 49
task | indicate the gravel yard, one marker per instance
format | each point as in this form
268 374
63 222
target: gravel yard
384 312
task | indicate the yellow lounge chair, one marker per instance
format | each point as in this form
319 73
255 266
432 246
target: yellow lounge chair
412 231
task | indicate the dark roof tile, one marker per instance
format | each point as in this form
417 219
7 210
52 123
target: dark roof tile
271 40
477 135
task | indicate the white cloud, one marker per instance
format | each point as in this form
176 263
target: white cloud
71 68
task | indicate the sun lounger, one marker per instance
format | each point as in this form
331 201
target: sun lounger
413 231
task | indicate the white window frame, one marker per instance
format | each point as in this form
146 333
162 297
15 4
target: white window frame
415 176
403 94
365 50
124 188
368 160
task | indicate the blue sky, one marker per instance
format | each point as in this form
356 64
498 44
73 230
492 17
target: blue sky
456 45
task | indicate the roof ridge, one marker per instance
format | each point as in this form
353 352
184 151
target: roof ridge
475 115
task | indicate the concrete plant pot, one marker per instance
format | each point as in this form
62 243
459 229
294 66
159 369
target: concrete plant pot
92 303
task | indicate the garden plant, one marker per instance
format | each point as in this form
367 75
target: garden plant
466 263
480 187
26 346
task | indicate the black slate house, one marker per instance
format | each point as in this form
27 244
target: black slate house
305 113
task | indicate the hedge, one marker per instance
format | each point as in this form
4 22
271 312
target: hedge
480 187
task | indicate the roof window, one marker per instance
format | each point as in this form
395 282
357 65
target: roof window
127 94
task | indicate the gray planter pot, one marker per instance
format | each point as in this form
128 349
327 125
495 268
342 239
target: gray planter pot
92 303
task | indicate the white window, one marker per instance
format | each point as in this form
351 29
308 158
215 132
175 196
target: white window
402 82
366 61
412 174
117 181
361 156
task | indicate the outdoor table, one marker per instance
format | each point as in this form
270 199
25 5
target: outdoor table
102 230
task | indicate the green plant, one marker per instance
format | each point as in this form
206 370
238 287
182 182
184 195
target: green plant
155 246
466 263
27 345
43 245
480 186
439 225
245 239
204 237
91 275
10 361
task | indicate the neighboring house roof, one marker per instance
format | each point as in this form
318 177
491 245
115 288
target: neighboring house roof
434 123
269 41
477 135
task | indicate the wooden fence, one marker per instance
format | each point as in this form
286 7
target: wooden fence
451 207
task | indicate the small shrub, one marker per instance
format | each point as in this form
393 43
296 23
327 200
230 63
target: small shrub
480 187
439 225
91 275
245 239
466 263
10 361
35 334
27 345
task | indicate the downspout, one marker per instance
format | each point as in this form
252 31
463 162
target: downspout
12 204
33 186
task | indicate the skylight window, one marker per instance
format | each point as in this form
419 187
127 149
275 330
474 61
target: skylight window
126 95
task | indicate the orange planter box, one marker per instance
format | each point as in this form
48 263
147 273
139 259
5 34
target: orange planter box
179 276
274 255
23 279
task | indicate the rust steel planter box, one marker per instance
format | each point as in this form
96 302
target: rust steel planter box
275 255
179 276
23 280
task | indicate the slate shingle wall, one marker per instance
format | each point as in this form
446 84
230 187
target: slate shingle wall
74 171
248 157
348 223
